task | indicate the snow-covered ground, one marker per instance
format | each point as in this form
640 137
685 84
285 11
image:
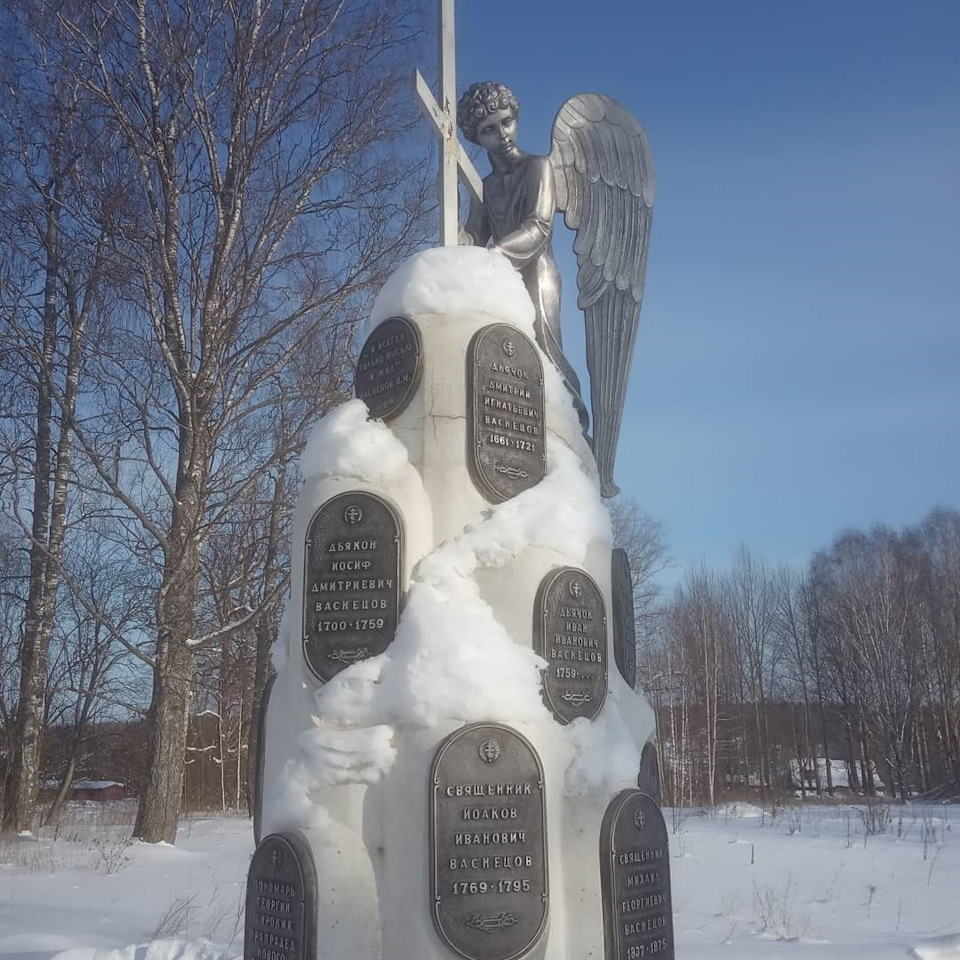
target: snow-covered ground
808 882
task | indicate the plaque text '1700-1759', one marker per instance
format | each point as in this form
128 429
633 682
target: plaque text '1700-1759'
505 420
351 590
488 841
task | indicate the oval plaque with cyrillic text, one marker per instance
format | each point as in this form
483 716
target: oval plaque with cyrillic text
505 420
635 880
281 911
351 584
388 368
488 843
570 633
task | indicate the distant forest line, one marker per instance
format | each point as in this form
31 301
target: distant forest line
761 675
840 681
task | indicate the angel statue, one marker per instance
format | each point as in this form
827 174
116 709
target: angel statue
600 174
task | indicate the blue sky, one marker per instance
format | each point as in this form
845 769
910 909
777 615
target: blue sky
797 368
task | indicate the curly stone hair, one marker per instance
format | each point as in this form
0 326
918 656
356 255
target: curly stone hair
480 100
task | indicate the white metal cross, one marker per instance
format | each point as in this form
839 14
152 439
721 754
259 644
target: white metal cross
444 116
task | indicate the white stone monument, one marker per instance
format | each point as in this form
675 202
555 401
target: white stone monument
446 733
347 762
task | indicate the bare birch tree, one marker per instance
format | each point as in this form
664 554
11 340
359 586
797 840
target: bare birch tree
54 264
262 206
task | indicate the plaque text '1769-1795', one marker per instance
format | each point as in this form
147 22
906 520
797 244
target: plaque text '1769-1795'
351 590
488 841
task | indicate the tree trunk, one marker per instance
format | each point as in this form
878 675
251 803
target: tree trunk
866 767
63 792
20 813
160 805
162 800
264 633
826 744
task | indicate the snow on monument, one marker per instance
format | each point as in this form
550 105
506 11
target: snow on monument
450 752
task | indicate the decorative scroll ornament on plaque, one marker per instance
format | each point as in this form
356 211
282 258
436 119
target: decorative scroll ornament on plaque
488 843
570 633
389 368
635 879
505 417
281 911
351 589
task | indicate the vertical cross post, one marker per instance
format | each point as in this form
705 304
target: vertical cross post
453 158
449 142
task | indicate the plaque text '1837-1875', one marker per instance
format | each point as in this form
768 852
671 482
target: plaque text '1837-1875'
635 880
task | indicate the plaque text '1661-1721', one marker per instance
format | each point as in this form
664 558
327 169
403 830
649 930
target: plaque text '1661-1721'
351 590
505 419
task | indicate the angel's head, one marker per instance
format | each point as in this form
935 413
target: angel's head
487 115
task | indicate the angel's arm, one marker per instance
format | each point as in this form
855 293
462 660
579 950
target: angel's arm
476 230
529 240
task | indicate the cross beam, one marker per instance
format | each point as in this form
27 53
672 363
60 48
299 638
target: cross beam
453 157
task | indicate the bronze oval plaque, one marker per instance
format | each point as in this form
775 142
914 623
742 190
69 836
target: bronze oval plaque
351 589
648 777
624 621
570 633
281 914
389 367
635 879
488 843
505 419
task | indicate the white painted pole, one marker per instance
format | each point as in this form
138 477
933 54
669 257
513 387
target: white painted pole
450 146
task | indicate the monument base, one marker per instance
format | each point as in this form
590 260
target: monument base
418 856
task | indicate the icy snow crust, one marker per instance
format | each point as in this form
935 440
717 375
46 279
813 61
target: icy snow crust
756 889
456 281
346 444
745 885
154 950
451 659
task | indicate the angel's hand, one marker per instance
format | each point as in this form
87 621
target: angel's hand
465 239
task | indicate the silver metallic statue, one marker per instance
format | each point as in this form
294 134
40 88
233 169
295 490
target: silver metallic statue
600 174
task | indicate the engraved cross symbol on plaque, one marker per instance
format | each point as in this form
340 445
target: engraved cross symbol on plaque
453 157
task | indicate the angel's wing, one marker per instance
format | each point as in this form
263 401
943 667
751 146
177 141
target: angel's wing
604 175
